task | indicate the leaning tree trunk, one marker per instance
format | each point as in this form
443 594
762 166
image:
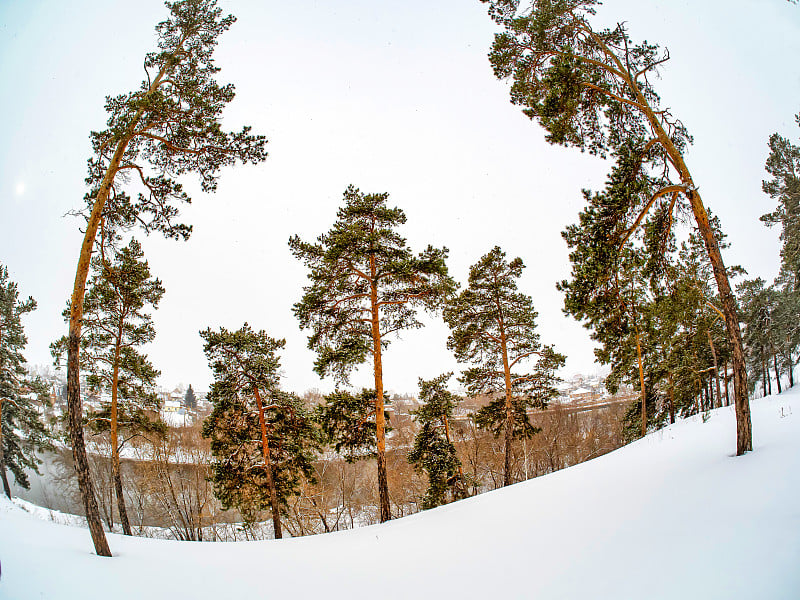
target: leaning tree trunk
380 424
273 491
744 430
115 467
74 404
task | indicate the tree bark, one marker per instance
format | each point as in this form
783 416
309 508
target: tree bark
744 430
727 397
716 368
74 404
671 393
380 423
641 384
273 492
6 486
115 467
449 441
509 428
777 372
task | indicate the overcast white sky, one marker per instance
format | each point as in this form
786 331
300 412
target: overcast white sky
394 96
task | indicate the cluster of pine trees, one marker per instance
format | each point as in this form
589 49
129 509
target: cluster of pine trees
647 276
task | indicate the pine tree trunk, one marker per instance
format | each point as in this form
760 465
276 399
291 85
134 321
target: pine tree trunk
6 486
74 404
274 505
716 367
641 384
744 430
450 442
727 397
509 427
380 424
767 378
777 372
115 467
791 372
671 400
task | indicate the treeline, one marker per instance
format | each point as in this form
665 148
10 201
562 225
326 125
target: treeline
647 274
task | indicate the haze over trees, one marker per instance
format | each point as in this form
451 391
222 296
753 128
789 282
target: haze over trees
168 127
593 89
365 285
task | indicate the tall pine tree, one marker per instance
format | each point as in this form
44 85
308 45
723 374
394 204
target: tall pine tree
169 126
262 438
593 89
494 328
365 285
115 325
22 433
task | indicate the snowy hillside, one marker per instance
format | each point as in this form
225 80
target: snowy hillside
674 515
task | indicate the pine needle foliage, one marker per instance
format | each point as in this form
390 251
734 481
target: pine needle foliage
433 452
116 325
592 88
263 439
168 127
22 432
493 327
366 285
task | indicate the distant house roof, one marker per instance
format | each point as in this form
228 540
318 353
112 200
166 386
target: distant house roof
581 391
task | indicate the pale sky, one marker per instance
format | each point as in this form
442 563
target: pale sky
391 96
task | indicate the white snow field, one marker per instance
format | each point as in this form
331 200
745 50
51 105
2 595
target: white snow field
674 515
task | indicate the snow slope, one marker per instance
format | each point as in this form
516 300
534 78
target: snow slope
674 515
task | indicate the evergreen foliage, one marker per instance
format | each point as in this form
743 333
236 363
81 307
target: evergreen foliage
592 89
115 325
190 400
493 327
262 438
433 451
365 285
347 421
22 433
168 127
783 164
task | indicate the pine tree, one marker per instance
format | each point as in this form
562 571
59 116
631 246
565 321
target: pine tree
593 89
262 438
494 328
115 326
22 433
365 286
168 127
190 400
433 451
783 164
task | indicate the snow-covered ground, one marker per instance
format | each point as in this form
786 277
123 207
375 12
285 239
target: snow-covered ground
674 515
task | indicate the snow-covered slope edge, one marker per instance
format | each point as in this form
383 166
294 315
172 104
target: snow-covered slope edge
674 515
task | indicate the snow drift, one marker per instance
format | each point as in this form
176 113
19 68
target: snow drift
674 515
